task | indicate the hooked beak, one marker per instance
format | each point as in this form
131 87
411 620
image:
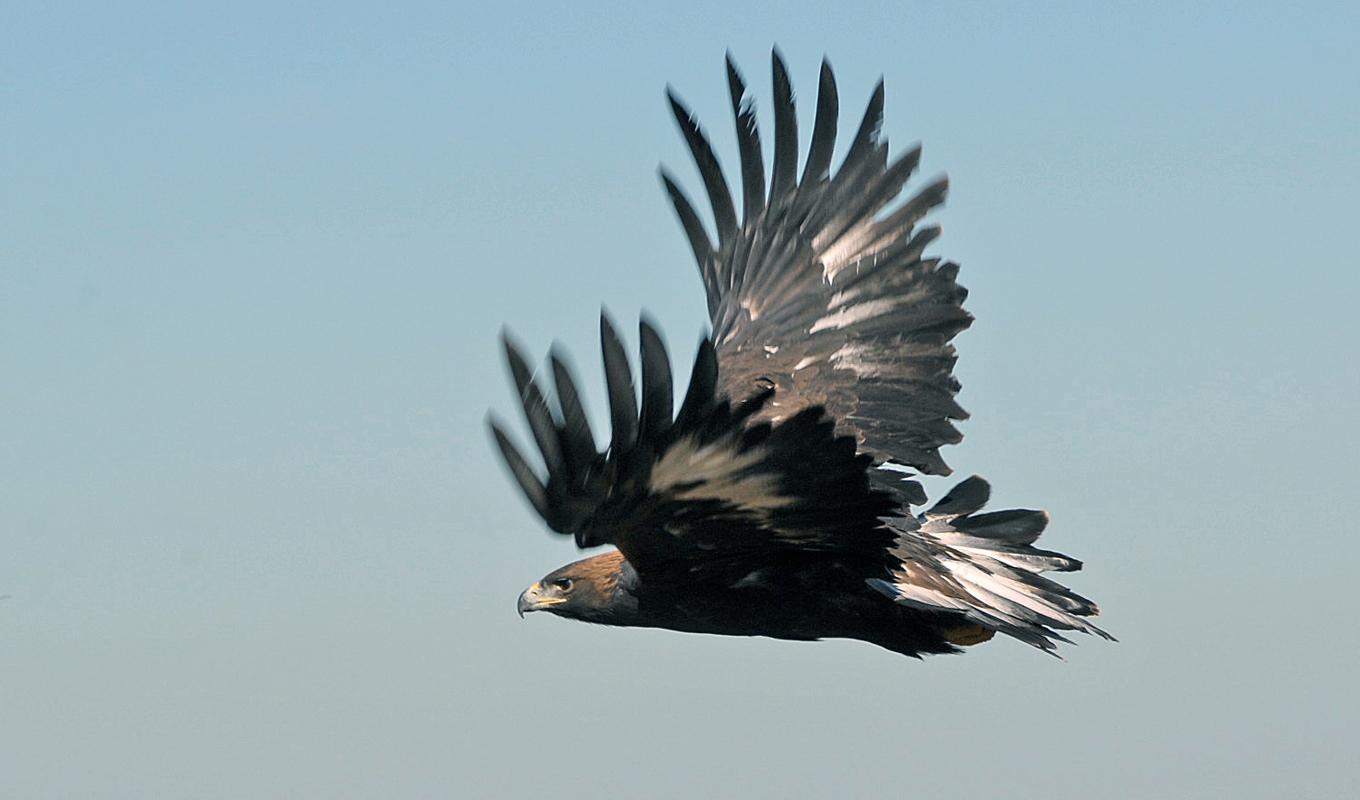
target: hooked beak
536 598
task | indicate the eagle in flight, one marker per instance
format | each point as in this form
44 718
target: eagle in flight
776 501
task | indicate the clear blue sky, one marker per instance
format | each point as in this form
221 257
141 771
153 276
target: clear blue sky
253 264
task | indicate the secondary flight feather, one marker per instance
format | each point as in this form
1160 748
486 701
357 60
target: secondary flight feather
773 502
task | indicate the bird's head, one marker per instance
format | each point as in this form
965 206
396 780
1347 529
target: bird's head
589 590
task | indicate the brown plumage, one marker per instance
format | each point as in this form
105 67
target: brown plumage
774 501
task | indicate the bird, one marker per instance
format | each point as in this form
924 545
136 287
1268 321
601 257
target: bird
780 499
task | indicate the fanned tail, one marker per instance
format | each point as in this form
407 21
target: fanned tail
985 567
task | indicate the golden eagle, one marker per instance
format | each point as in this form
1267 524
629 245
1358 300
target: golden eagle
775 501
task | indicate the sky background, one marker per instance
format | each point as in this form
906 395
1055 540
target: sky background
253 265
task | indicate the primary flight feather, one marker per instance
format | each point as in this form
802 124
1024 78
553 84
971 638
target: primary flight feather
773 502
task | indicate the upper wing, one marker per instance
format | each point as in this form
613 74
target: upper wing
701 487
817 292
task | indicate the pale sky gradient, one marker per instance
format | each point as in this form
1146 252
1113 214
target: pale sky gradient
253 264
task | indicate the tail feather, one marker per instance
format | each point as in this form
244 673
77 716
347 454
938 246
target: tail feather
984 567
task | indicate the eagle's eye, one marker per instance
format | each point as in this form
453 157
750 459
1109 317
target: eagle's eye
564 584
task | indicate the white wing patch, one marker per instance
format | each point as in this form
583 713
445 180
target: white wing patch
717 471
846 316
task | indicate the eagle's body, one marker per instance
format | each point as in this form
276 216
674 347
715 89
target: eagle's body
774 501
803 598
